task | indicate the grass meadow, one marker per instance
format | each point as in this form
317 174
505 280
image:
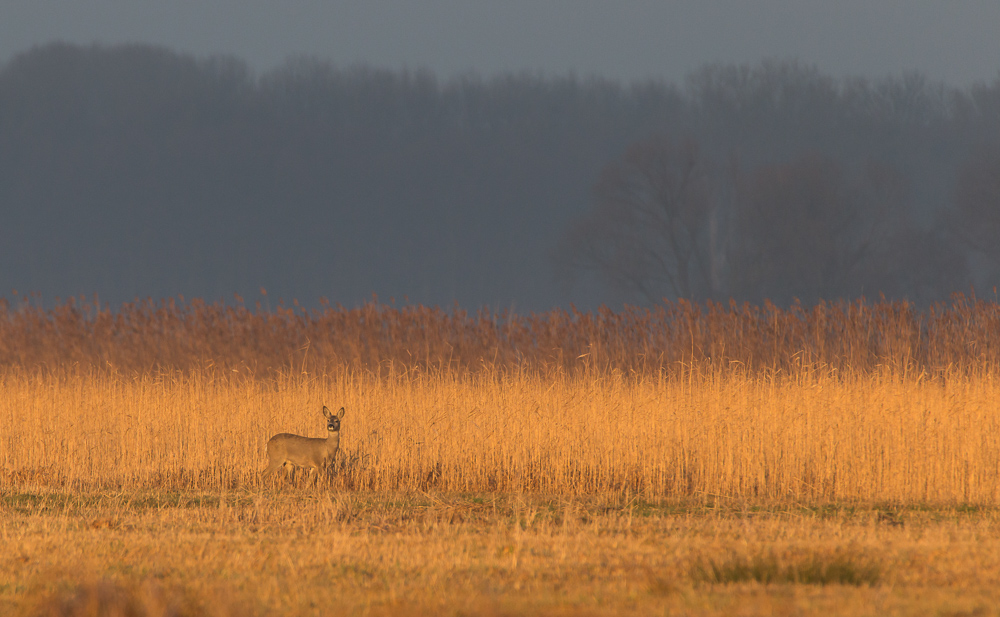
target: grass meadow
700 460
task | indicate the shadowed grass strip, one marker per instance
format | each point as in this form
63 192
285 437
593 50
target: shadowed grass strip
767 568
148 599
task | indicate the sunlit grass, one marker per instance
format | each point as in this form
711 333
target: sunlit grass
313 552
811 437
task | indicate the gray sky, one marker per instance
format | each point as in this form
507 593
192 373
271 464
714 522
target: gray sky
957 42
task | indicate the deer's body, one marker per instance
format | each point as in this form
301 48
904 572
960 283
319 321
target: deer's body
314 453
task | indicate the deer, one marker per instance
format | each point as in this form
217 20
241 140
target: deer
314 453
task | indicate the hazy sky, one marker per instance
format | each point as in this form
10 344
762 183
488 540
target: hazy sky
958 42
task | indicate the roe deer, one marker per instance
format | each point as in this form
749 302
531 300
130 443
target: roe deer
312 452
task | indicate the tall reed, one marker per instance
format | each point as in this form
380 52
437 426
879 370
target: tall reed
808 436
147 336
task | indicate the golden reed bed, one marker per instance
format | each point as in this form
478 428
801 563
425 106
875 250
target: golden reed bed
807 437
844 402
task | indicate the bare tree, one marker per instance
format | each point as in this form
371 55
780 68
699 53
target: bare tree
922 265
654 228
808 231
977 199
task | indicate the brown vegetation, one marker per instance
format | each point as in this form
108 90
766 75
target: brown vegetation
668 340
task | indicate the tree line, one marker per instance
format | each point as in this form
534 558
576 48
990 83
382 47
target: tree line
136 171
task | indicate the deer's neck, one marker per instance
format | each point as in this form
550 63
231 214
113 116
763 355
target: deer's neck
333 440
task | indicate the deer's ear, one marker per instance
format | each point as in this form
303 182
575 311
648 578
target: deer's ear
326 412
340 414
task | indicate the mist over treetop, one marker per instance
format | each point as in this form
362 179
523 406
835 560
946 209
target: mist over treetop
135 171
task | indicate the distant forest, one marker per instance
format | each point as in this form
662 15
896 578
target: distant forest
133 171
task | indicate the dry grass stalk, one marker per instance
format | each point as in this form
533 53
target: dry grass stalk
148 336
806 437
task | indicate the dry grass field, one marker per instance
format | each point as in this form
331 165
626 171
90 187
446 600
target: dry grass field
688 460
322 553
